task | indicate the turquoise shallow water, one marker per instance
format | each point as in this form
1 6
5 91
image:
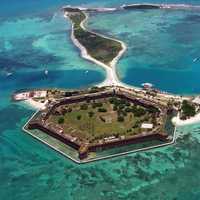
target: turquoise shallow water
162 46
34 37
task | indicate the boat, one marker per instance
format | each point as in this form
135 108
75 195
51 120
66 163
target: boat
9 74
147 85
196 59
46 72
86 71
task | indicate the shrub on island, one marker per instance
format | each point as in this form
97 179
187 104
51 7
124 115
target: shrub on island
138 112
84 107
79 117
91 114
120 119
188 109
102 110
98 104
61 120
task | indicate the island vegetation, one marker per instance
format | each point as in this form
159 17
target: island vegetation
100 48
99 118
187 110
96 119
102 118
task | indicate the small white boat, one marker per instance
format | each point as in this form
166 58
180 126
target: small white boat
9 74
147 85
86 72
46 72
196 59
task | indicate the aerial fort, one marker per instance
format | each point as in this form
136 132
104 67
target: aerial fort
97 119
111 119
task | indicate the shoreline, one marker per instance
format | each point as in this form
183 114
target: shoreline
169 6
179 122
165 139
111 77
110 80
34 104
111 72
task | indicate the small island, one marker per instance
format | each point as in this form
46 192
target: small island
110 119
141 6
103 122
188 109
99 119
101 48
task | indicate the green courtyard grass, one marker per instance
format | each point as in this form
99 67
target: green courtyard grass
95 121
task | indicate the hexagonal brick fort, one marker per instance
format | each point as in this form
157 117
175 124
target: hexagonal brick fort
83 145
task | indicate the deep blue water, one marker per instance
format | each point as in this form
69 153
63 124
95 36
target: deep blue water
33 37
73 79
165 81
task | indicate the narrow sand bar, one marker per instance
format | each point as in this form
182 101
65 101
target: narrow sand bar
111 78
35 104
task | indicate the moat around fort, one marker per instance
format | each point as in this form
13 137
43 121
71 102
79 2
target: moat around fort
98 123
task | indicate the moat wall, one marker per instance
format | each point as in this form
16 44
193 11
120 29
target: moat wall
38 124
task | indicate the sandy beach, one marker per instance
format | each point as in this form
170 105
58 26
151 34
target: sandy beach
111 78
178 122
35 104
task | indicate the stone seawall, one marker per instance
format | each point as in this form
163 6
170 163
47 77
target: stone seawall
132 140
47 130
97 147
58 133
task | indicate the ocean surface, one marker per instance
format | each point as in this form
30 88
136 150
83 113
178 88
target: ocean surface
162 46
